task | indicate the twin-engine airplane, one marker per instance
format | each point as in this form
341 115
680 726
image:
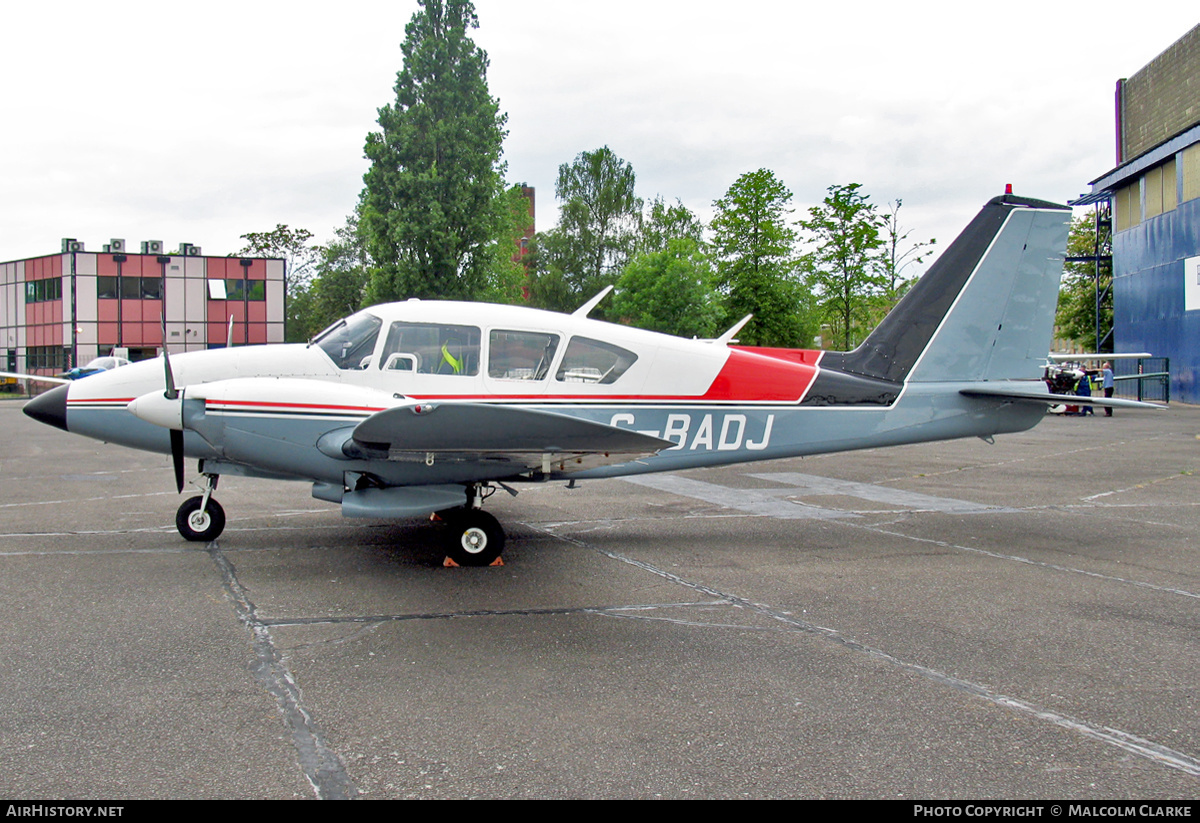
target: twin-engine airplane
420 407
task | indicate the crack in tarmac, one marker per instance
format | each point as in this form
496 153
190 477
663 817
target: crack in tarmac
1105 734
322 767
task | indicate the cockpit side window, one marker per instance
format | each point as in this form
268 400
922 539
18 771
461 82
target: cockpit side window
520 355
351 342
429 348
593 361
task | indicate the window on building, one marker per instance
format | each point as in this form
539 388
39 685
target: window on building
1190 158
152 288
40 291
1170 186
1129 206
131 288
46 357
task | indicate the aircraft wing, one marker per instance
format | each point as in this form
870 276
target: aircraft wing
35 377
1035 396
505 437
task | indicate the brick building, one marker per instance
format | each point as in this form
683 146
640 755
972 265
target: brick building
64 309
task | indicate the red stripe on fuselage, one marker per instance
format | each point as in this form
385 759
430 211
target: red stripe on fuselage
267 404
752 376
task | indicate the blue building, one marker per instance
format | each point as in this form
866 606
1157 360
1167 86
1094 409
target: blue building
1155 196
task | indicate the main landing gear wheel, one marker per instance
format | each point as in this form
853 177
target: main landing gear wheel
473 537
198 523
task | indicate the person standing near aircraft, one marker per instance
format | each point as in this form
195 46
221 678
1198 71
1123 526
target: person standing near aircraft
1084 389
1106 373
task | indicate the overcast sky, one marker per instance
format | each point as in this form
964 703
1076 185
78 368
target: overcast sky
201 122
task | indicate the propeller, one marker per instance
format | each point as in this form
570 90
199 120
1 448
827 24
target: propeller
172 393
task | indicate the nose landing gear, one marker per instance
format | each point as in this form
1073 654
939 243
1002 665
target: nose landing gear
201 519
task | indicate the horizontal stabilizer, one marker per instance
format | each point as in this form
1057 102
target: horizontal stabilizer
1034 396
480 428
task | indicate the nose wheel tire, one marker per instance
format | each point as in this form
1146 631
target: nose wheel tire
200 525
473 537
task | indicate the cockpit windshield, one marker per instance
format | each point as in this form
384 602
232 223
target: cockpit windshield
351 342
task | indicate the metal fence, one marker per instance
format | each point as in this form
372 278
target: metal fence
1146 378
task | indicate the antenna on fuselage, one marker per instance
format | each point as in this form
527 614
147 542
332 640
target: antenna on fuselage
587 307
727 337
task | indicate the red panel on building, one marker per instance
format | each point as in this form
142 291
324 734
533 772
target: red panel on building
152 334
152 310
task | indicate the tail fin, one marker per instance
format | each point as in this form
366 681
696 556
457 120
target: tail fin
983 311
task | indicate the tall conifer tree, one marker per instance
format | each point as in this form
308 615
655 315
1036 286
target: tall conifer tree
432 197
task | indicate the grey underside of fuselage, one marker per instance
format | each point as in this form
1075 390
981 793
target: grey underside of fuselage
708 436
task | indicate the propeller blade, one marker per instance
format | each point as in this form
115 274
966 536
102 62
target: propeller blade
171 393
177 457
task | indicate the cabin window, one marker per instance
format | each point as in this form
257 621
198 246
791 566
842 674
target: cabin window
520 355
429 348
350 342
591 361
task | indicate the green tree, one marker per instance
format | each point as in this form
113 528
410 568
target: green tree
550 257
756 264
507 277
299 265
433 200
671 290
339 286
1076 317
899 252
596 232
844 267
662 223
